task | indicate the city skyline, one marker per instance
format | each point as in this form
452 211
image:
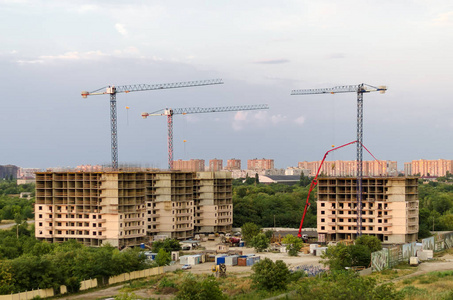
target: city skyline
51 51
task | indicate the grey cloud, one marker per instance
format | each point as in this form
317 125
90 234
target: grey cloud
272 61
336 56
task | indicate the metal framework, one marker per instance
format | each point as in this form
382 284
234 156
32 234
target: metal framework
193 110
113 90
360 90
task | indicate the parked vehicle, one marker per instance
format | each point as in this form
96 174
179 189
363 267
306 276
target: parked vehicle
186 267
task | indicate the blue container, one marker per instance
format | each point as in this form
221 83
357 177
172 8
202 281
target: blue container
241 244
250 261
142 245
220 260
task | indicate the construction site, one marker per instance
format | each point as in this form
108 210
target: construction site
389 209
130 208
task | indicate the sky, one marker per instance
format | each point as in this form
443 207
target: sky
52 50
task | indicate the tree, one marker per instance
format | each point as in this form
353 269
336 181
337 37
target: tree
257 179
372 242
260 242
163 257
293 244
341 256
304 180
337 257
269 275
269 234
249 230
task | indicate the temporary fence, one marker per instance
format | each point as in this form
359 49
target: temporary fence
389 257
84 285
43 293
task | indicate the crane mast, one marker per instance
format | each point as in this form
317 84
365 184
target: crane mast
193 110
360 89
113 90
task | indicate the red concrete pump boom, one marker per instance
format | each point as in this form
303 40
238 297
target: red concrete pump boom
314 181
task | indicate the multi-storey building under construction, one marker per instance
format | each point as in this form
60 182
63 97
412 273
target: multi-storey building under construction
128 208
389 208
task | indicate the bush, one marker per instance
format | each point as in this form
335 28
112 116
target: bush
207 289
341 256
345 285
269 275
168 245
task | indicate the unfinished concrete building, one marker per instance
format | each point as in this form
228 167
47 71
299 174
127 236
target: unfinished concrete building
213 202
389 208
128 208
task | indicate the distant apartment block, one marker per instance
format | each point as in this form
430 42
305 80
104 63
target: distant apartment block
8 171
28 173
193 165
260 164
215 165
389 208
128 208
349 168
233 164
89 168
424 167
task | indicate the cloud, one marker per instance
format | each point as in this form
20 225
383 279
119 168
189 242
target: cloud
130 51
272 61
275 119
120 28
30 62
300 120
336 56
257 119
444 19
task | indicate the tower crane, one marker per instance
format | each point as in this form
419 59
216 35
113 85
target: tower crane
193 110
113 90
360 89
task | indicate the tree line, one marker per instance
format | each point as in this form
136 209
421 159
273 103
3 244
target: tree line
274 204
263 204
12 208
27 263
435 207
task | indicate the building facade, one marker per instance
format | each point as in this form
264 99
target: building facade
8 172
193 165
215 165
260 164
424 167
349 168
129 208
389 208
233 164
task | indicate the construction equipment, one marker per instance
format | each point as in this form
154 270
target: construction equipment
360 90
314 182
219 270
193 110
231 241
113 90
